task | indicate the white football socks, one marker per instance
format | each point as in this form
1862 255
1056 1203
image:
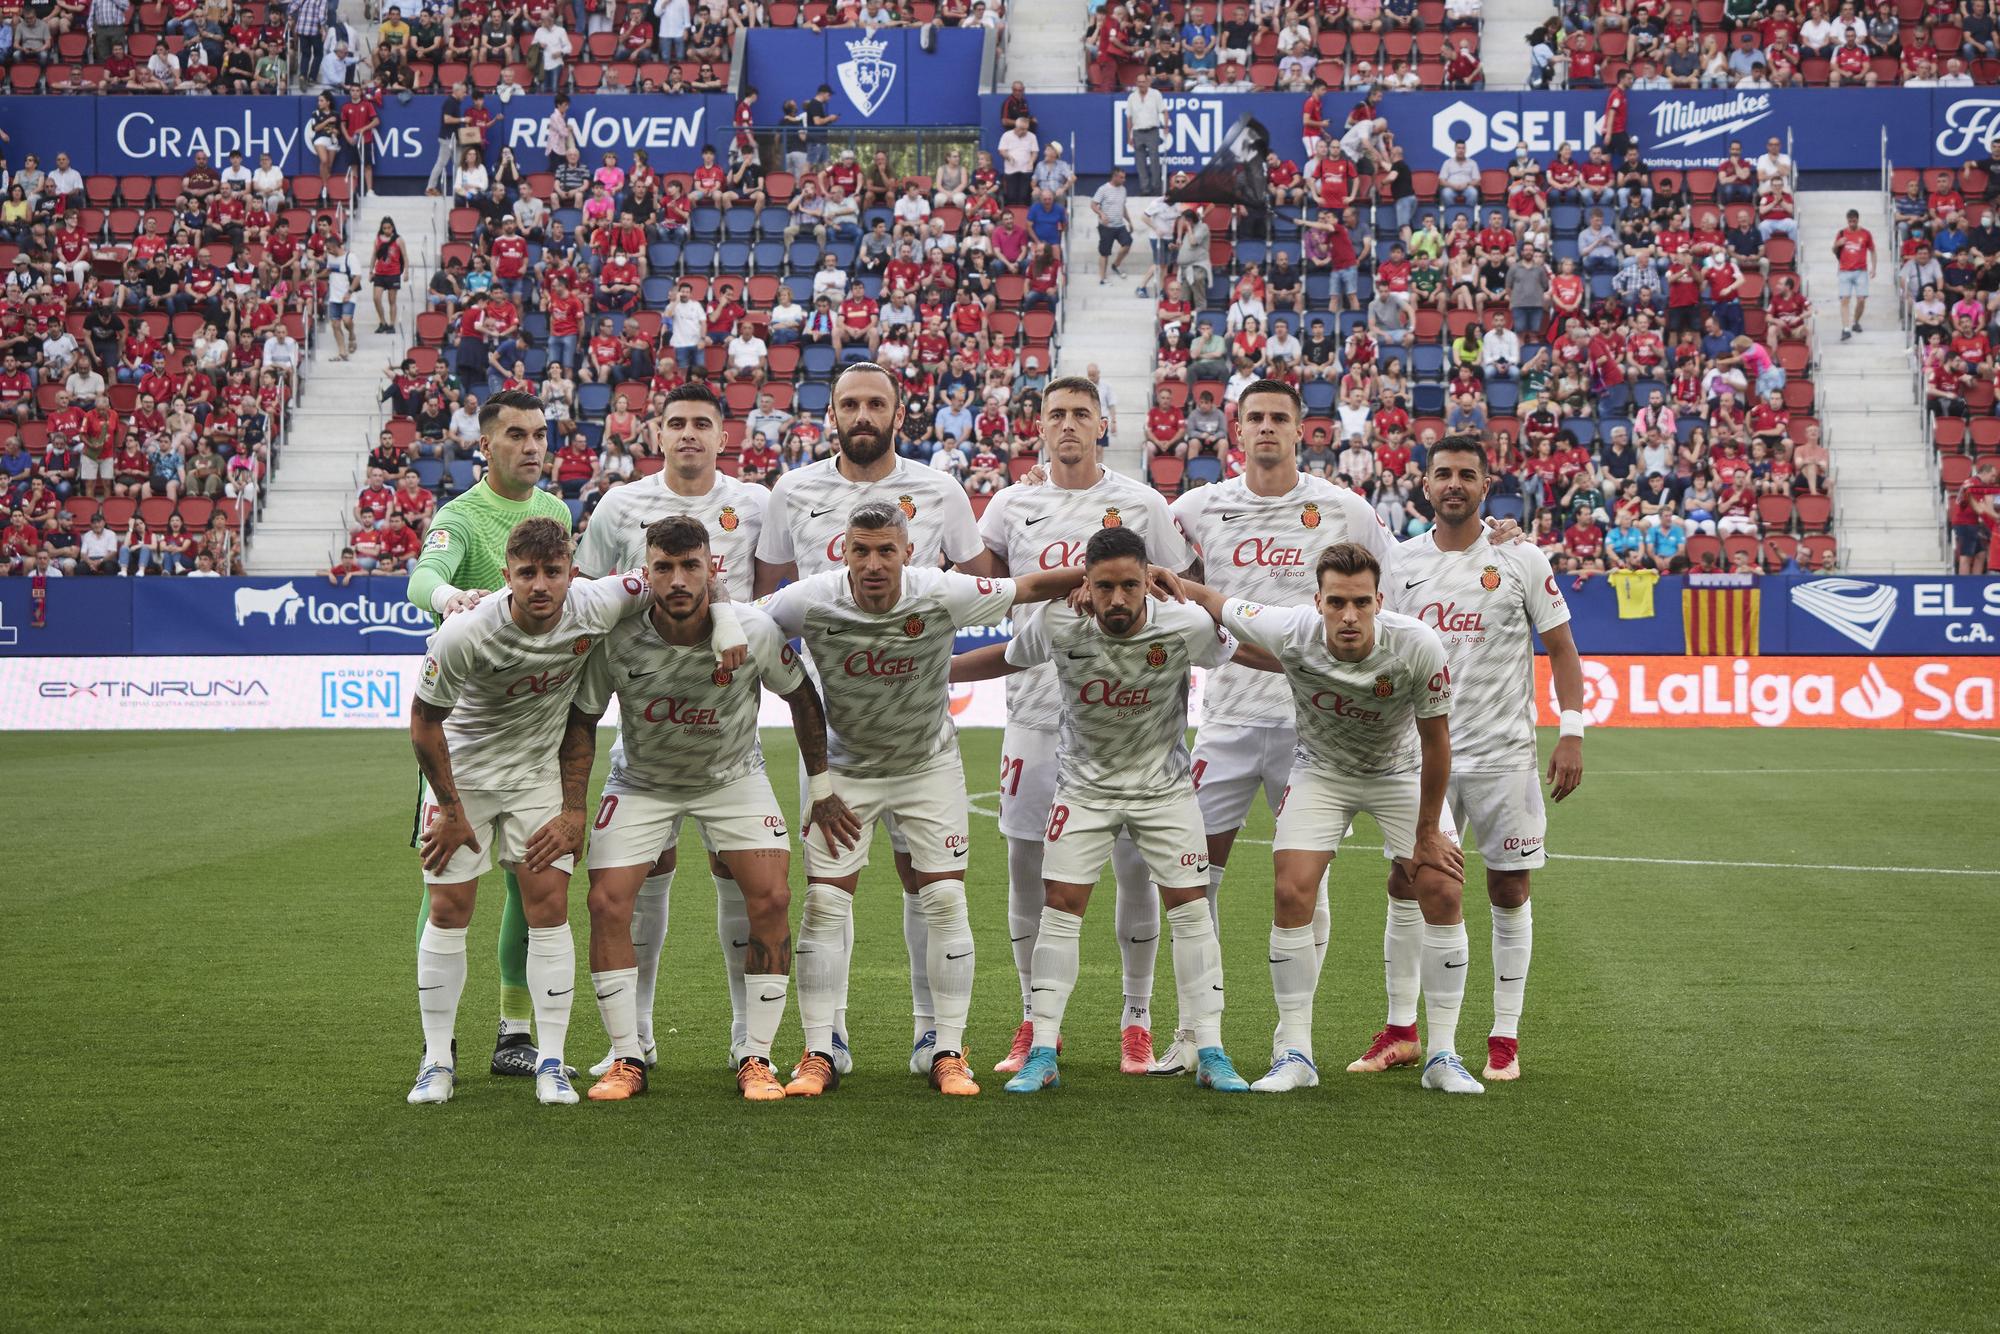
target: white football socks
949 964
1198 970
821 958
618 1003
1056 961
1025 894
1294 977
1137 916
440 982
840 999
764 998
732 932
1402 954
1322 921
917 940
552 979
1214 897
1513 943
649 939
1445 955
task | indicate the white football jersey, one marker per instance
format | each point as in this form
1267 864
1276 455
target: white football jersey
683 721
1047 527
1263 548
886 675
1123 732
1486 603
732 510
806 520
1355 719
509 692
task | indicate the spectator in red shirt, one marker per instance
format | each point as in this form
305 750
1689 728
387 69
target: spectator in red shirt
1851 64
375 501
1854 251
1975 515
398 544
414 501
1166 429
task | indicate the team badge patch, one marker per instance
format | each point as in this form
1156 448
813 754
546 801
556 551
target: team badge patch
914 626
581 646
728 519
1309 516
1489 578
438 539
1247 610
1384 687
1156 656
908 506
723 676
431 670
1111 519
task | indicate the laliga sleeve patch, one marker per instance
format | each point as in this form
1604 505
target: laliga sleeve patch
438 539
431 671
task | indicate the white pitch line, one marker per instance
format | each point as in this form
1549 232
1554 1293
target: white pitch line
1969 736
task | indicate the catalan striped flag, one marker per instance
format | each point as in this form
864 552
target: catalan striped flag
1720 615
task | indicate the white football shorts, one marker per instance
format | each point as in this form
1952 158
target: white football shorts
928 809
1314 813
632 826
1505 814
1027 780
503 820
1077 840
897 843
1231 763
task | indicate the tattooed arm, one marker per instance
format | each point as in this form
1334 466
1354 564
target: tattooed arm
828 813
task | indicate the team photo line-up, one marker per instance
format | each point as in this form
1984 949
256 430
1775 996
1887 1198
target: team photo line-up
1345 673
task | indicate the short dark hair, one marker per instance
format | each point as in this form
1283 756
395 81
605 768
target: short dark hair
1076 383
1269 386
538 539
1462 444
518 399
1113 543
693 391
676 535
1347 558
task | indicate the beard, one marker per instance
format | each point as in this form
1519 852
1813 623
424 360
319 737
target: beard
864 449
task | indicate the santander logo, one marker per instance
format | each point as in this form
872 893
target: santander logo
1113 694
1333 702
1446 618
868 662
679 713
1267 552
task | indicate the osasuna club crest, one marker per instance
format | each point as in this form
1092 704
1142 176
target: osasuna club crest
865 77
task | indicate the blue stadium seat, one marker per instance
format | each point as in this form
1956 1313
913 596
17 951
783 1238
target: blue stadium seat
773 220
804 256
1600 286
813 397
593 400
1319 290
1319 396
871 283
1350 320
663 256
705 223
535 324
1506 507
1566 219
575 510
1251 252
1427 399
1583 428
1684 427
1607 425
698 257
592 433
871 216
768 257
816 361
1427 361
570 218
852 353
1503 397
1204 469
1292 248
843 252
460 471
536 360
1565 247
739 224
430 472
734 257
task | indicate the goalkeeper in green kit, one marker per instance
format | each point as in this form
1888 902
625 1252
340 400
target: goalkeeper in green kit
464 557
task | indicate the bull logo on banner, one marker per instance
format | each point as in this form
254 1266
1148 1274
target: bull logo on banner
865 76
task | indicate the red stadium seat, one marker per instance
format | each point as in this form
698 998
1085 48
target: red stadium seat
1166 472
1815 513
1775 511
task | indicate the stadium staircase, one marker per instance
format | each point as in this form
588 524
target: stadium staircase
1887 515
1044 50
1503 49
1111 326
305 519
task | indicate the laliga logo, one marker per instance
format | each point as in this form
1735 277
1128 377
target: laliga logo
1600 691
1968 124
865 77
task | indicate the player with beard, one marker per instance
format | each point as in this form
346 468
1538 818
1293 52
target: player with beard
805 527
882 632
690 484
1122 671
1487 603
1043 527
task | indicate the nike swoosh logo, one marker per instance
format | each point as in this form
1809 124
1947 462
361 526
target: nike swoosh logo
1075 656
1215 988
641 675
841 630
502 671
1230 518
607 995
1505 978
1041 988
559 993
1412 583
1449 964
960 853
956 957
777 833
1030 523
1018 939
1286 959
433 987
739 944
767 997
1136 940
819 514
1529 852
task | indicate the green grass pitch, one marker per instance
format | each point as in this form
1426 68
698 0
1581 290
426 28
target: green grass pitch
1755 1096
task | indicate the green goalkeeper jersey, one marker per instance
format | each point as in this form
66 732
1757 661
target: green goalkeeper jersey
466 546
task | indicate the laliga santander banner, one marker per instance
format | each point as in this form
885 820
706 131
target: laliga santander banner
1781 692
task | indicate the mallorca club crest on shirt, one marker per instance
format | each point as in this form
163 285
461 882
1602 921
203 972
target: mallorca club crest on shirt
865 76
581 646
1489 578
1156 656
914 626
908 505
1384 687
1309 516
728 519
722 676
1111 519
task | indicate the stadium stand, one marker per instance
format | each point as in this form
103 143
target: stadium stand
1638 359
